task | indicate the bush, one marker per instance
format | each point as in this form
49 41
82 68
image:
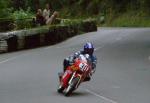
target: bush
4 10
130 20
22 19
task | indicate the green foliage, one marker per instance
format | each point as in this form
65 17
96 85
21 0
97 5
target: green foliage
22 18
130 19
105 11
70 21
4 8
3 4
22 14
19 4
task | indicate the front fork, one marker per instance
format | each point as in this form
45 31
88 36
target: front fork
75 75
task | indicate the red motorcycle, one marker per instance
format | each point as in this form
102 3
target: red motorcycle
74 76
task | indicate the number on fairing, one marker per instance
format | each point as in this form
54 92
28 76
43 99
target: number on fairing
83 66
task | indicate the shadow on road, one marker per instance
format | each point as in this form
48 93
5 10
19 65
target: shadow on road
75 94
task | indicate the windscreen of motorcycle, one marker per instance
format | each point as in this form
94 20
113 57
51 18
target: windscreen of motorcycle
82 58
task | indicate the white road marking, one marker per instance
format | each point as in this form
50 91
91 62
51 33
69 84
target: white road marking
6 60
102 97
98 48
12 58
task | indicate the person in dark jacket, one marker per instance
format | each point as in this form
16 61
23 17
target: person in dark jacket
40 20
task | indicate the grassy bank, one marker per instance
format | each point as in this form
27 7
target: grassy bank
128 20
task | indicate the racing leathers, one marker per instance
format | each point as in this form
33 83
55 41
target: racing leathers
70 60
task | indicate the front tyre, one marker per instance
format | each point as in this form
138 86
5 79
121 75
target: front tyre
60 89
71 87
69 90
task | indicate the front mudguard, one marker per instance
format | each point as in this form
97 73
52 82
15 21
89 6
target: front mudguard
64 79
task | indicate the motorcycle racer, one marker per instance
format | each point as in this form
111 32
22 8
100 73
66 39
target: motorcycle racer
75 74
88 49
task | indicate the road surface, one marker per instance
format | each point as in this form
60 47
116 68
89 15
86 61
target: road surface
122 75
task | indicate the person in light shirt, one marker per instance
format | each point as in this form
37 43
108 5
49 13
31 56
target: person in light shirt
48 15
47 12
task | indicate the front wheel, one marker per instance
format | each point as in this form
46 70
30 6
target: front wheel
71 87
69 90
60 89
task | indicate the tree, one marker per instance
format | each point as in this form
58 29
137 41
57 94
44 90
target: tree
4 10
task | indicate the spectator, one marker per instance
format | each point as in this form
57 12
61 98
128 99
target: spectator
47 15
52 18
40 20
46 12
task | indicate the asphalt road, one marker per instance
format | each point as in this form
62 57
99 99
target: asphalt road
122 75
